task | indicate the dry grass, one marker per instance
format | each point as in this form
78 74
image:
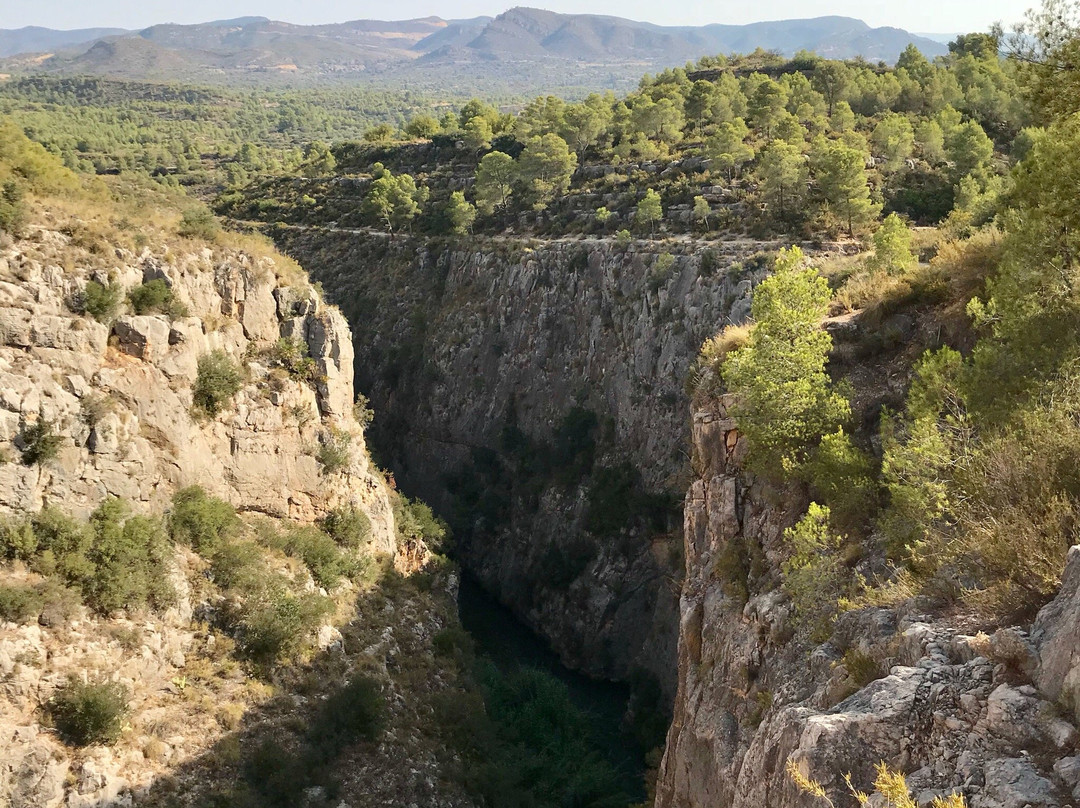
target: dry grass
731 338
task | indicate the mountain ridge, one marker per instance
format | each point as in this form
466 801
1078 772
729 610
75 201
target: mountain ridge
358 48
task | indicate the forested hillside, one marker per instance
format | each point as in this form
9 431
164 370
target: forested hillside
752 145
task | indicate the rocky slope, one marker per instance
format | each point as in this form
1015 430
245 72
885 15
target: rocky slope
118 399
142 442
483 360
990 716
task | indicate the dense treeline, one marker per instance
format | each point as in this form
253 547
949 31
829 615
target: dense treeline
188 135
964 491
753 143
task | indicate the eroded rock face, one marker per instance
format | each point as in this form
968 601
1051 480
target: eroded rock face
975 714
119 398
121 394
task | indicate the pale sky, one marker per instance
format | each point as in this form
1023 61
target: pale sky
915 15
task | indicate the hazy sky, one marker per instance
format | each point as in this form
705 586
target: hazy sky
915 15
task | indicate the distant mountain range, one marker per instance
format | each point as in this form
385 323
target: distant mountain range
256 46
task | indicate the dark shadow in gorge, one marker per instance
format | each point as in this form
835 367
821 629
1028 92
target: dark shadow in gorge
438 746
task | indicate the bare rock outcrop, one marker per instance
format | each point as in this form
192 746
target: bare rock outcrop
120 394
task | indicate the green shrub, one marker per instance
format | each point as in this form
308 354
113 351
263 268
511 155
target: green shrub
40 443
356 712
348 526
335 451
238 565
101 301
20 603
199 223
130 556
362 411
155 297
218 379
89 713
709 262
201 521
416 520
785 400
815 576
292 355
13 214
844 477
319 553
452 641
17 540
276 628
63 546
278 775
861 667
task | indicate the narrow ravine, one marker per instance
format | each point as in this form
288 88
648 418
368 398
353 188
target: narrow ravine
510 645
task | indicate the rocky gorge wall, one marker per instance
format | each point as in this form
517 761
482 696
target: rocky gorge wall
118 399
993 717
469 350
120 394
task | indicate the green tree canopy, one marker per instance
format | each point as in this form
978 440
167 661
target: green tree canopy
784 400
894 139
477 133
782 173
650 210
892 247
393 200
460 213
544 168
494 181
841 175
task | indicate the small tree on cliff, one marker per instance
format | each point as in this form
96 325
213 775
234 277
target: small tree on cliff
650 210
460 213
785 401
393 200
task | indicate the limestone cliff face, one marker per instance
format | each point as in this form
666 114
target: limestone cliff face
119 398
457 343
976 714
120 395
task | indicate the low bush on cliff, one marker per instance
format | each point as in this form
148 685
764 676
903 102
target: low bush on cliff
101 301
356 712
20 603
39 442
334 451
292 356
275 626
201 521
348 526
320 554
815 575
130 556
89 713
217 380
115 560
416 520
155 297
